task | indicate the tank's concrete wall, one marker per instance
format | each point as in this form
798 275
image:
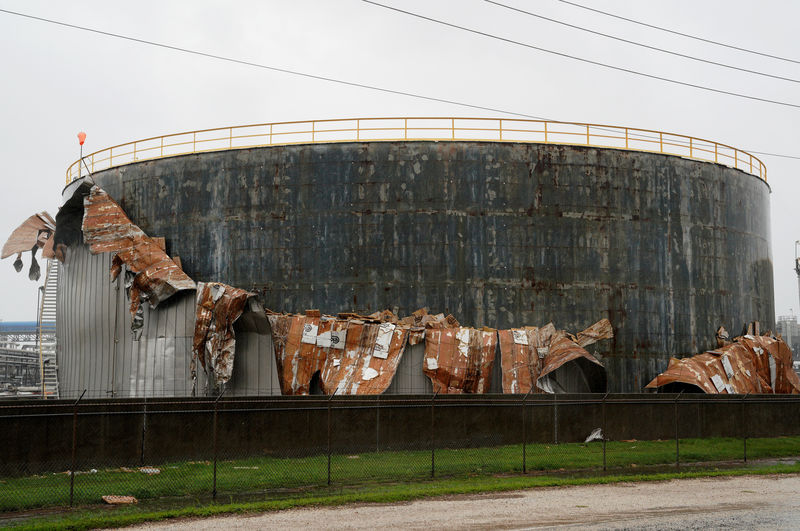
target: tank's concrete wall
499 234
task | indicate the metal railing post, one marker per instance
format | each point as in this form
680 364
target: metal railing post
525 433
216 408
74 448
603 431
329 436
433 435
677 443
744 426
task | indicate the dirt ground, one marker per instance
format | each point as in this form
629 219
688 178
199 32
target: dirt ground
754 502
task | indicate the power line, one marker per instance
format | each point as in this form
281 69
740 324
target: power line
318 77
268 67
581 59
674 32
642 45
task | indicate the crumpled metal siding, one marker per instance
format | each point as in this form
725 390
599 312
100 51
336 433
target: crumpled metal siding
459 360
750 364
33 234
366 364
214 342
106 228
531 355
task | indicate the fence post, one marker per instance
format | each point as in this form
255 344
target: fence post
677 444
377 423
214 487
744 425
329 435
144 433
555 418
74 448
603 431
433 435
525 433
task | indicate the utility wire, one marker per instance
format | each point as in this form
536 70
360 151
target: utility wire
589 61
268 67
695 37
318 77
642 45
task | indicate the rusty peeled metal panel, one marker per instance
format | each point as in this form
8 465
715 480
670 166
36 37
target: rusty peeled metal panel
459 360
297 356
749 364
546 360
106 228
33 234
353 354
214 343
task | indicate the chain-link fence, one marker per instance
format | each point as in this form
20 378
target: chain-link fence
196 450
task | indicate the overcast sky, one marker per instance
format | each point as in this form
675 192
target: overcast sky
57 81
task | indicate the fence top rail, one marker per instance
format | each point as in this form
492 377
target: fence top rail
435 128
289 403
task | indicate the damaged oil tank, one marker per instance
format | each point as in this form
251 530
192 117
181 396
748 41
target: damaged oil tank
499 234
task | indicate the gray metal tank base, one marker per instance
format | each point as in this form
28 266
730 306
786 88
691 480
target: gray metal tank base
499 234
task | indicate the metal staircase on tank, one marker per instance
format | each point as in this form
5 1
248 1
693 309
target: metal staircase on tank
46 328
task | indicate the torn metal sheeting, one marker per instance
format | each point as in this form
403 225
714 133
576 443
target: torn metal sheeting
546 360
214 343
106 228
354 354
750 364
459 360
33 234
297 357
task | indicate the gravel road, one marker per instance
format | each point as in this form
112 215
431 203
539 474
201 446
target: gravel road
754 502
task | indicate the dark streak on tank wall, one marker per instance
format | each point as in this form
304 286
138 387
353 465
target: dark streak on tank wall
499 234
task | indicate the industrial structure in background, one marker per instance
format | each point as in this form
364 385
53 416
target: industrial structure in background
295 258
789 330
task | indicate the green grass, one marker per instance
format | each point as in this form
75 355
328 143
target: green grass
272 477
90 518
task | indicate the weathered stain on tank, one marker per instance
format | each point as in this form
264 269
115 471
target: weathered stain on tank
499 234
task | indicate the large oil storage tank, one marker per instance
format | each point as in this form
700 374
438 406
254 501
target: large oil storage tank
666 236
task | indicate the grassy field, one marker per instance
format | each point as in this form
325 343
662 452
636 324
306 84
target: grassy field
272 478
92 517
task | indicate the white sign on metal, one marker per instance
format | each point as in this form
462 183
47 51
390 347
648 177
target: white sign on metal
310 333
520 337
726 363
337 339
385 333
324 339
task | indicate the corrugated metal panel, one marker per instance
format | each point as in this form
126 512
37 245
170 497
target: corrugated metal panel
409 378
97 350
93 317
